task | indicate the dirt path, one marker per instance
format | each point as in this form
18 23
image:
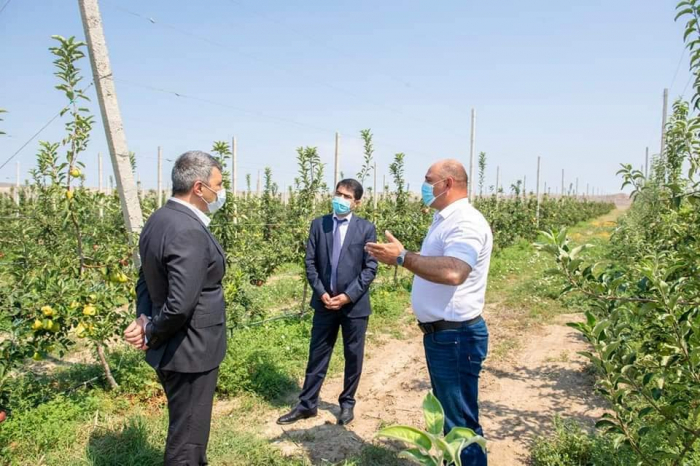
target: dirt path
519 397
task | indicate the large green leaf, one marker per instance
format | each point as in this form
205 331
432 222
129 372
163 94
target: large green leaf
415 454
467 434
459 433
455 449
408 434
434 414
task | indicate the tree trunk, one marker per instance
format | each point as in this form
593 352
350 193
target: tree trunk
105 365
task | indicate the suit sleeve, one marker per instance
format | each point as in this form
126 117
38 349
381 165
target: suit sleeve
310 261
369 270
143 298
186 261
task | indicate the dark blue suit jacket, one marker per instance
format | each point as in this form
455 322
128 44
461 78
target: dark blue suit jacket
356 268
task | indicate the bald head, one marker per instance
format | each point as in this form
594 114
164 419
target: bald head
451 168
448 180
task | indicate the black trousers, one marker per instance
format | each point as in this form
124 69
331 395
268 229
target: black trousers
324 334
190 398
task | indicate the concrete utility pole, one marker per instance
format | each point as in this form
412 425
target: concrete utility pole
471 155
663 124
160 178
646 164
498 181
234 166
336 172
234 177
374 192
17 185
111 117
99 173
562 183
537 193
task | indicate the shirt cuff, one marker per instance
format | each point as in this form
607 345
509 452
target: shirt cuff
145 331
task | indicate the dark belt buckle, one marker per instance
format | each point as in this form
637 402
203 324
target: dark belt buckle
427 328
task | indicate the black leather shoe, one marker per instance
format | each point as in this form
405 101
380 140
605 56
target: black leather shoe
346 416
295 415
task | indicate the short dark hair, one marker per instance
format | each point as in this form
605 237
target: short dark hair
352 185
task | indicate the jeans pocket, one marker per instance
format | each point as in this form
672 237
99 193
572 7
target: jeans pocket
476 349
445 338
442 352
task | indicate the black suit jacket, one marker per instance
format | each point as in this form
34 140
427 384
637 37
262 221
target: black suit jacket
356 268
179 287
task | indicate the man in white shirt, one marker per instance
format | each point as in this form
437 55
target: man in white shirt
448 295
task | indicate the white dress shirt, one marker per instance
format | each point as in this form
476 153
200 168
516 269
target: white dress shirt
462 232
343 226
201 215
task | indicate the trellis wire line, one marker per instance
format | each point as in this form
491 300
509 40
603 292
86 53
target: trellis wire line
281 70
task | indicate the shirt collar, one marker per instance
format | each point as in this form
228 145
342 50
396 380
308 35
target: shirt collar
200 215
452 208
348 218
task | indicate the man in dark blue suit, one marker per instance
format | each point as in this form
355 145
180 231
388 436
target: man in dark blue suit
339 272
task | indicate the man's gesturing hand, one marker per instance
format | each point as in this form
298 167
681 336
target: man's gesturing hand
386 253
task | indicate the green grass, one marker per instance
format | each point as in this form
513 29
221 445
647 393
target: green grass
571 445
104 430
520 292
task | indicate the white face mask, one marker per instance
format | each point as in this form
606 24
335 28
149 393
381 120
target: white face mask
214 206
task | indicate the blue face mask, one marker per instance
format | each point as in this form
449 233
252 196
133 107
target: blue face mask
341 206
427 193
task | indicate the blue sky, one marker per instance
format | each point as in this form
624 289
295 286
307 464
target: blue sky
578 83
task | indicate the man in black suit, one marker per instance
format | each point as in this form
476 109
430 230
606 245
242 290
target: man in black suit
339 272
180 304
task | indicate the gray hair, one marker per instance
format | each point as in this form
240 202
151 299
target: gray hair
190 167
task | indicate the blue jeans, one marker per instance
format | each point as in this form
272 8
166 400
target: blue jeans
454 362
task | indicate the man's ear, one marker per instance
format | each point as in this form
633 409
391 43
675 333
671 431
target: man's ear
196 187
358 202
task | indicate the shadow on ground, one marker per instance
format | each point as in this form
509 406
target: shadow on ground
126 445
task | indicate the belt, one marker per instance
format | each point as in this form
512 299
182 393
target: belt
440 325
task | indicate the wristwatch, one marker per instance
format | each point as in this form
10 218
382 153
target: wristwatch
401 258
